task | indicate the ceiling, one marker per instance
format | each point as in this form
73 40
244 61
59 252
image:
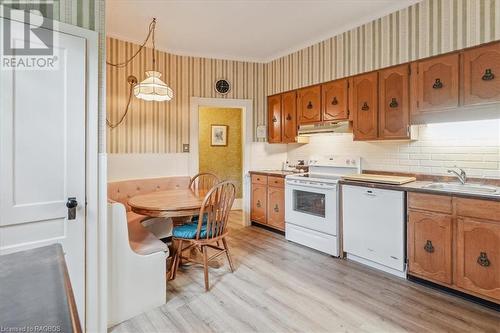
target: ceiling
247 30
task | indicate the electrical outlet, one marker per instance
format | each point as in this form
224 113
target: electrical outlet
185 147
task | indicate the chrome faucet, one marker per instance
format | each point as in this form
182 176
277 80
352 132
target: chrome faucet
462 176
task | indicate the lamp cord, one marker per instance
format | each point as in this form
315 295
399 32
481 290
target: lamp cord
151 33
113 126
151 29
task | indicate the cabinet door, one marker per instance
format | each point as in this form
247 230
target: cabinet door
482 74
429 246
309 105
394 108
276 207
437 83
258 211
334 100
274 119
365 106
478 257
289 116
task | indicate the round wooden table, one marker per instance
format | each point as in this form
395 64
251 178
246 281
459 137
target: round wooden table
175 203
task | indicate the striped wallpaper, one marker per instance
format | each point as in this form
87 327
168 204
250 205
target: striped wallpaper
82 13
152 127
427 28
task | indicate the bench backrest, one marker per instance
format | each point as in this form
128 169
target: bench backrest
122 191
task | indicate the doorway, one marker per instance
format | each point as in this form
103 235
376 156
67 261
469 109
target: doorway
220 145
246 109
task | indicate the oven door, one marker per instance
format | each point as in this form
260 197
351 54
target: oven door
311 206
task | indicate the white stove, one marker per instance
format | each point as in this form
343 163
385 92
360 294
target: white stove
311 203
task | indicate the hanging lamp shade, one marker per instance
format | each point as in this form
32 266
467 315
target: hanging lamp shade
153 88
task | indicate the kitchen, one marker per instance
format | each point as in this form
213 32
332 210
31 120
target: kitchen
252 166
403 205
347 200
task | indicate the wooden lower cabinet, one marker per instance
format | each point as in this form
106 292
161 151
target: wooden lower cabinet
461 249
276 207
258 211
268 201
478 256
429 254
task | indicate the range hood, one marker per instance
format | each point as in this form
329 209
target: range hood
325 128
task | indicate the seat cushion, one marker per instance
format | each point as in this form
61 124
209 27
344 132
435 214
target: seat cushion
141 240
188 231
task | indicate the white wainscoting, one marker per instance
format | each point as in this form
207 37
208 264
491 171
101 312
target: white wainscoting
133 166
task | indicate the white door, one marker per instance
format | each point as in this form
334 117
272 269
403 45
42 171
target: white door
42 156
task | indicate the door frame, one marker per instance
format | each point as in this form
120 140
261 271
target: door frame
246 106
95 182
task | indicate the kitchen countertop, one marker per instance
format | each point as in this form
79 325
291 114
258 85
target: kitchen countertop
274 173
417 186
35 292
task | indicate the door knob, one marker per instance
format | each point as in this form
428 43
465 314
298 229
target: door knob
71 204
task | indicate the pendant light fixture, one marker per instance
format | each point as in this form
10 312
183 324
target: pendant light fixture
153 88
150 89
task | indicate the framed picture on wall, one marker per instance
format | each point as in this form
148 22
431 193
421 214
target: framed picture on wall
219 135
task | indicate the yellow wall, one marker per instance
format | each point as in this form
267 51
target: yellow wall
225 162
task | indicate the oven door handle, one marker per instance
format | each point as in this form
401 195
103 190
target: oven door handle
323 187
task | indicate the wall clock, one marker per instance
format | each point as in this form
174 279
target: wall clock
222 86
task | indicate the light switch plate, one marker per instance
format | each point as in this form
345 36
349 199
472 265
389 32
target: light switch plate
185 147
261 132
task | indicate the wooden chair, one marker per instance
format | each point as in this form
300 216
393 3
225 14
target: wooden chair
203 181
208 231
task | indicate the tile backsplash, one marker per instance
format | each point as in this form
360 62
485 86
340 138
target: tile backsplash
472 145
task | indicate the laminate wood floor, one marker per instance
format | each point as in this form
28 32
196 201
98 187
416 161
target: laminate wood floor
280 286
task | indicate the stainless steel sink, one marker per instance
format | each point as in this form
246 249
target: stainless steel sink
464 188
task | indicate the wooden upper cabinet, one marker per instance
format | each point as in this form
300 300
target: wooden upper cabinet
430 246
334 100
364 106
478 257
437 83
394 107
309 105
481 74
289 117
274 119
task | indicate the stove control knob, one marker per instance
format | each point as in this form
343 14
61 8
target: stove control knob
353 161
348 161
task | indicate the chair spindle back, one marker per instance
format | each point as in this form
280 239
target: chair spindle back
216 207
203 182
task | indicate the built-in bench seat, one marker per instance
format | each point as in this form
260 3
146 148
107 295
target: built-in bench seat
137 257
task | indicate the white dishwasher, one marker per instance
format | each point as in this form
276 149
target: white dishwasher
374 227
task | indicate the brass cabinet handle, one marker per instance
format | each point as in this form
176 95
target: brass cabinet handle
259 204
429 247
483 259
437 84
274 119
276 208
310 105
488 75
365 107
394 103
288 117
334 101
